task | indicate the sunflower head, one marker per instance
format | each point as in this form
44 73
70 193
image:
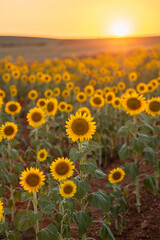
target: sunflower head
32 179
116 175
1 102
133 104
62 106
32 94
42 155
12 108
80 127
69 108
1 210
36 117
97 100
41 103
109 97
62 168
81 97
84 110
68 189
9 130
153 106
48 93
51 106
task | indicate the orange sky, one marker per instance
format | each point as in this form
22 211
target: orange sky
79 18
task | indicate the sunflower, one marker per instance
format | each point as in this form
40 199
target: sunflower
133 104
8 66
56 92
116 175
13 92
106 90
16 74
48 93
32 94
154 82
41 103
65 93
36 117
121 86
114 89
51 106
66 76
150 87
42 155
80 127
1 210
130 91
69 86
77 89
97 101
46 78
117 103
92 82
2 93
62 106
84 110
99 92
153 106
6 77
24 78
132 76
62 168
69 108
32 179
109 97
141 88
12 108
81 97
9 130
57 78
32 78
89 90
1 102
68 189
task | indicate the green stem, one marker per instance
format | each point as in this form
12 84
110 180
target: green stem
137 189
61 210
35 210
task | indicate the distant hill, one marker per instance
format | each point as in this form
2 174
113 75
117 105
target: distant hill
32 48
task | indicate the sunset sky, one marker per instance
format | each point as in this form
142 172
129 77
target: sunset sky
80 18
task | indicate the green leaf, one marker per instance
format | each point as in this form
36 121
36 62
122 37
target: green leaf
105 232
123 131
153 143
150 184
13 235
132 169
82 188
137 144
74 154
26 196
23 221
91 145
132 127
49 233
91 167
149 154
83 220
115 210
125 152
99 200
57 151
3 227
122 203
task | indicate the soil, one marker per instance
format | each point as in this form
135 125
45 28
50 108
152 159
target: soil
143 226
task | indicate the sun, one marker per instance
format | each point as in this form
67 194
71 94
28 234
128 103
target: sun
120 29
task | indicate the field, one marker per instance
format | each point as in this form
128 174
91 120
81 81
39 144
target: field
79 139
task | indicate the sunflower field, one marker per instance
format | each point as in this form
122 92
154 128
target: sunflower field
75 137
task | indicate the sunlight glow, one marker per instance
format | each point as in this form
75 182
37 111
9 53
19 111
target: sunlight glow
120 29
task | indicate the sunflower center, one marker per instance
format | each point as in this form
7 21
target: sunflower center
80 126
97 100
154 106
62 106
117 102
81 96
12 107
62 168
32 179
50 107
116 175
141 88
36 117
42 103
133 103
68 189
109 98
32 95
9 130
42 155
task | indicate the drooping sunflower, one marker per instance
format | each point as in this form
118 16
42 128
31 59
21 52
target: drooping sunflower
36 117
62 106
84 110
153 106
81 97
41 103
141 88
9 130
109 97
62 168
68 189
51 106
32 179
1 210
134 104
116 175
97 101
33 94
80 127
12 108
42 155
89 90
48 93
